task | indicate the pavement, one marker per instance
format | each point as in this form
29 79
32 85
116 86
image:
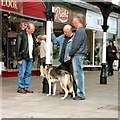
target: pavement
101 100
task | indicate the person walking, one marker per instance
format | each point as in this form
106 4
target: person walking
111 52
64 41
77 55
25 46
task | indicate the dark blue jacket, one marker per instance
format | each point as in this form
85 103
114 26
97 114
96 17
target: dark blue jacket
79 44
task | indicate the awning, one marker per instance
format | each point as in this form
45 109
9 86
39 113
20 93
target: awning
35 9
28 9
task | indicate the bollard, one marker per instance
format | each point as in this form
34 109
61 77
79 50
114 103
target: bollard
46 86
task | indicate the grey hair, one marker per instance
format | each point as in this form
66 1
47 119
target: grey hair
80 18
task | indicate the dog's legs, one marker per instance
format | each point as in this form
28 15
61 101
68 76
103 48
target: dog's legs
73 93
71 90
64 87
50 92
41 70
54 88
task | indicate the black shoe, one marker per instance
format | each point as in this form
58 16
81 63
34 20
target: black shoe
29 91
62 92
21 91
109 74
78 98
112 72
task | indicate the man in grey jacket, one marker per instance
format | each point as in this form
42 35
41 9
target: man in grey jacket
77 54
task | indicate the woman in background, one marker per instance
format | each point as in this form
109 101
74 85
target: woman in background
42 53
111 56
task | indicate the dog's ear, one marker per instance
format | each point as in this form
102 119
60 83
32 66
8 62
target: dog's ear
46 68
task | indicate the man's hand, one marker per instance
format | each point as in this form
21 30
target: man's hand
51 30
113 51
69 58
20 62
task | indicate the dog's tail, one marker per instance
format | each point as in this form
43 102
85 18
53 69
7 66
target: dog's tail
71 78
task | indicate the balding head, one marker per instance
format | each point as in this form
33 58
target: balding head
30 28
67 30
67 27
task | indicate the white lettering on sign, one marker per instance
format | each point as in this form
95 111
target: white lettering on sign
9 3
61 14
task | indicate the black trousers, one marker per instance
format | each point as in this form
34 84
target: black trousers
110 66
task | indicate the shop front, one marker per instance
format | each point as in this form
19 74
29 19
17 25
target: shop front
94 21
15 16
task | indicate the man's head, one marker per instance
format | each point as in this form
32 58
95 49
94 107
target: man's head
78 21
30 28
67 30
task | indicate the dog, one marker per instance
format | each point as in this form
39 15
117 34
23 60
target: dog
54 74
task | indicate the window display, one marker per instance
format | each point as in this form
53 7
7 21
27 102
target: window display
11 25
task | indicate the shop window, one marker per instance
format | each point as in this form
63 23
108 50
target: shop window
10 28
98 48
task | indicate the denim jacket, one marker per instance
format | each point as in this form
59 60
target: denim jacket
60 40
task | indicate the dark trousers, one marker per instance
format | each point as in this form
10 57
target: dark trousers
110 66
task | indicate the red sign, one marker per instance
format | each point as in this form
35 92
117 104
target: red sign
11 5
34 9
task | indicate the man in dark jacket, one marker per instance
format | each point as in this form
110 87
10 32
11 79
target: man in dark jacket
25 45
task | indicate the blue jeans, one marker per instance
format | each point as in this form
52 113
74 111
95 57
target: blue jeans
24 74
77 62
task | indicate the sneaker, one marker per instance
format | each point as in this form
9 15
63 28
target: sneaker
78 98
29 91
21 91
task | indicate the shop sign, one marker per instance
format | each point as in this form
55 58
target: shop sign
95 21
61 14
11 5
64 14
